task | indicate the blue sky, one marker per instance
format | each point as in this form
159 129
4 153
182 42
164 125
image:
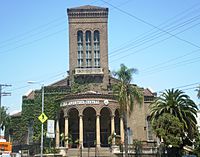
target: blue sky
159 38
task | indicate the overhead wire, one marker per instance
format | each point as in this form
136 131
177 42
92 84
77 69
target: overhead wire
40 81
184 54
31 35
170 60
33 41
173 66
181 15
155 36
179 18
150 24
183 87
155 43
31 30
42 26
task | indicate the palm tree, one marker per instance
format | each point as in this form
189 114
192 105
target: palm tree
179 105
126 95
198 92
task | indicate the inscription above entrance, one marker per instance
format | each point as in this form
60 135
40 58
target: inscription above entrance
80 102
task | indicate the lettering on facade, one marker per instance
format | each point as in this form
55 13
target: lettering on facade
85 71
81 102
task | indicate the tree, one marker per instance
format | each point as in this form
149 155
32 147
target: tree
4 119
126 94
170 129
178 104
197 144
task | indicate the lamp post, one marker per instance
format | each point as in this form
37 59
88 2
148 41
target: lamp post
42 129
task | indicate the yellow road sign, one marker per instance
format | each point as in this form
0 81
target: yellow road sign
43 117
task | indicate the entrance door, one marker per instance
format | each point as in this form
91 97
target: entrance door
89 127
105 124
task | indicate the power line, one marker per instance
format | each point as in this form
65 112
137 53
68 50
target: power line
171 60
32 30
155 43
151 38
36 29
170 66
183 14
173 66
31 42
41 81
183 86
147 23
31 35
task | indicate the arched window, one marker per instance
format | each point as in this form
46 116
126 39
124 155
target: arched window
88 36
88 49
80 48
80 37
96 48
149 129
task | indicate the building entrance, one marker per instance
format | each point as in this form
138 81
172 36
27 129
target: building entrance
89 125
105 120
73 126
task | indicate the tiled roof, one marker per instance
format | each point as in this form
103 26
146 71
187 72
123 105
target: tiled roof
31 95
147 92
63 82
18 114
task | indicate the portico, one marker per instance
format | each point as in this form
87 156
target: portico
89 118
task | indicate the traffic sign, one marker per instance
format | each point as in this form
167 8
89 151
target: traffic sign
43 117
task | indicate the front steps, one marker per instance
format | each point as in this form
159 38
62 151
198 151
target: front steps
90 152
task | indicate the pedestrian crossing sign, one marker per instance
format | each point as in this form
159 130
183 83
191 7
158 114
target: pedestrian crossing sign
43 117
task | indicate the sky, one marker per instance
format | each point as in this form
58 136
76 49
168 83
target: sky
159 38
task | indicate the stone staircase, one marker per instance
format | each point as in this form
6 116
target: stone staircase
90 152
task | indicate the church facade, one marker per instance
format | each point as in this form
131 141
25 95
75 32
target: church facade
86 111
91 115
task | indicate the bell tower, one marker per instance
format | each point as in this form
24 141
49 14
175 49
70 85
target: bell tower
88 45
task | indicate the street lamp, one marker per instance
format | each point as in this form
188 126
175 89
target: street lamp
42 130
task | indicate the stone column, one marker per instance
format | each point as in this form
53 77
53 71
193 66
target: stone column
57 134
122 129
81 130
113 128
98 131
66 131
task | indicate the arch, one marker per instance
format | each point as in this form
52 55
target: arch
73 129
89 127
80 48
105 125
96 40
149 130
96 36
88 49
106 107
61 125
79 36
117 122
72 108
88 36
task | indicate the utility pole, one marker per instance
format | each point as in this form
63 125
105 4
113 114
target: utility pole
3 94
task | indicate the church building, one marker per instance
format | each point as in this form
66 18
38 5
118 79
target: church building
90 113
92 116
